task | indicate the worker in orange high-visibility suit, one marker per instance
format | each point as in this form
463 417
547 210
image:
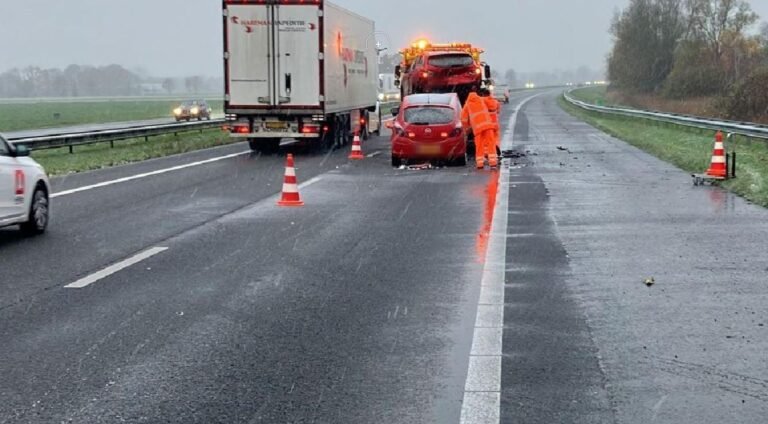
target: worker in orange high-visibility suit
476 116
494 108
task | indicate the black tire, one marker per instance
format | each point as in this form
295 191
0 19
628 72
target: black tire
396 161
39 212
267 146
459 161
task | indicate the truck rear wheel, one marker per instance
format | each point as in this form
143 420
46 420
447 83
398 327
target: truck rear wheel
266 146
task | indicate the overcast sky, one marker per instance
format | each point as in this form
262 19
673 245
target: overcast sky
183 37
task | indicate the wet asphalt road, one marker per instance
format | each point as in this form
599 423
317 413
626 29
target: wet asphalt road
359 307
585 340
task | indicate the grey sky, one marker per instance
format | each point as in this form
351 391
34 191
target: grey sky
180 37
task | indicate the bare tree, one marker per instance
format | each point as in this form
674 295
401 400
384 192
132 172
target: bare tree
717 21
646 35
511 77
169 85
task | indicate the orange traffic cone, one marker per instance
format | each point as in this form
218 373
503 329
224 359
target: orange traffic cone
357 149
717 167
290 186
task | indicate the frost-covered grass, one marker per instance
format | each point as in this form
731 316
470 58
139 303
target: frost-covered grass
688 149
97 156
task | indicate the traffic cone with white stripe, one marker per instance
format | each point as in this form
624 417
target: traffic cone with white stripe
357 149
717 168
290 186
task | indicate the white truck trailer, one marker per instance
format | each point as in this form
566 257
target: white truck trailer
299 69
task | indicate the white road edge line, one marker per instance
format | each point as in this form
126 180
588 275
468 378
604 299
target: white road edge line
115 268
482 389
310 182
145 175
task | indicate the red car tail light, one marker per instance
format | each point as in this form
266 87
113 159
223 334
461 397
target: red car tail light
19 183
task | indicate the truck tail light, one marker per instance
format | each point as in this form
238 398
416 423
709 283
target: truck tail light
310 129
19 183
241 129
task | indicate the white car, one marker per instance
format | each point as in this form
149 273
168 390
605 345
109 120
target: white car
24 190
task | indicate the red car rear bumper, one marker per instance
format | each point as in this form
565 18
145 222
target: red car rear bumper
450 148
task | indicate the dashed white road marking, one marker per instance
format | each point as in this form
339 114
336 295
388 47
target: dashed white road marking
146 174
374 154
115 268
482 390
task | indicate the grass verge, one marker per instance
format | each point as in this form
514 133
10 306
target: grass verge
101 155
32 116
591 95
688 149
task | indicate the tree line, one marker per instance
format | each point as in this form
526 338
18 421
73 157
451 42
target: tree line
96 81
682 49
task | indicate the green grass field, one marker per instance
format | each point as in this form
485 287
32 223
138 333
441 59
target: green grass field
688 149
97 156
591 95
28 116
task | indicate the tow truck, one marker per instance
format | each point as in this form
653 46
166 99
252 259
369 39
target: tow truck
442 68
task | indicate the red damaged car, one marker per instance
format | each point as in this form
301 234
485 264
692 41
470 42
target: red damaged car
427 127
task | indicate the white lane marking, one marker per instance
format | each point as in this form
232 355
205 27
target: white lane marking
310 182
145 175
482 390
481 407
484 374
374 154
115 268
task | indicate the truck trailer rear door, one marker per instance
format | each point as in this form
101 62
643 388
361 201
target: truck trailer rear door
249 54
297 29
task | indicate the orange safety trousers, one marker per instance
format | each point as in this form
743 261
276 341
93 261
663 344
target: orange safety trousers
485 145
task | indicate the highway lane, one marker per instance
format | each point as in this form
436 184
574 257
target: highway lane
585 341
356 308
360 307
86 128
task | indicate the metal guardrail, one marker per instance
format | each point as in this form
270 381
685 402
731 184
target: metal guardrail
746 129
52 141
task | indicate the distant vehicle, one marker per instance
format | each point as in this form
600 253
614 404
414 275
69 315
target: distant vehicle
374 123
192 109
24 190
442 68
388 91
501 93
428 127
310 74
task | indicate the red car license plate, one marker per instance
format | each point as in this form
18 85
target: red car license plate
429 149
